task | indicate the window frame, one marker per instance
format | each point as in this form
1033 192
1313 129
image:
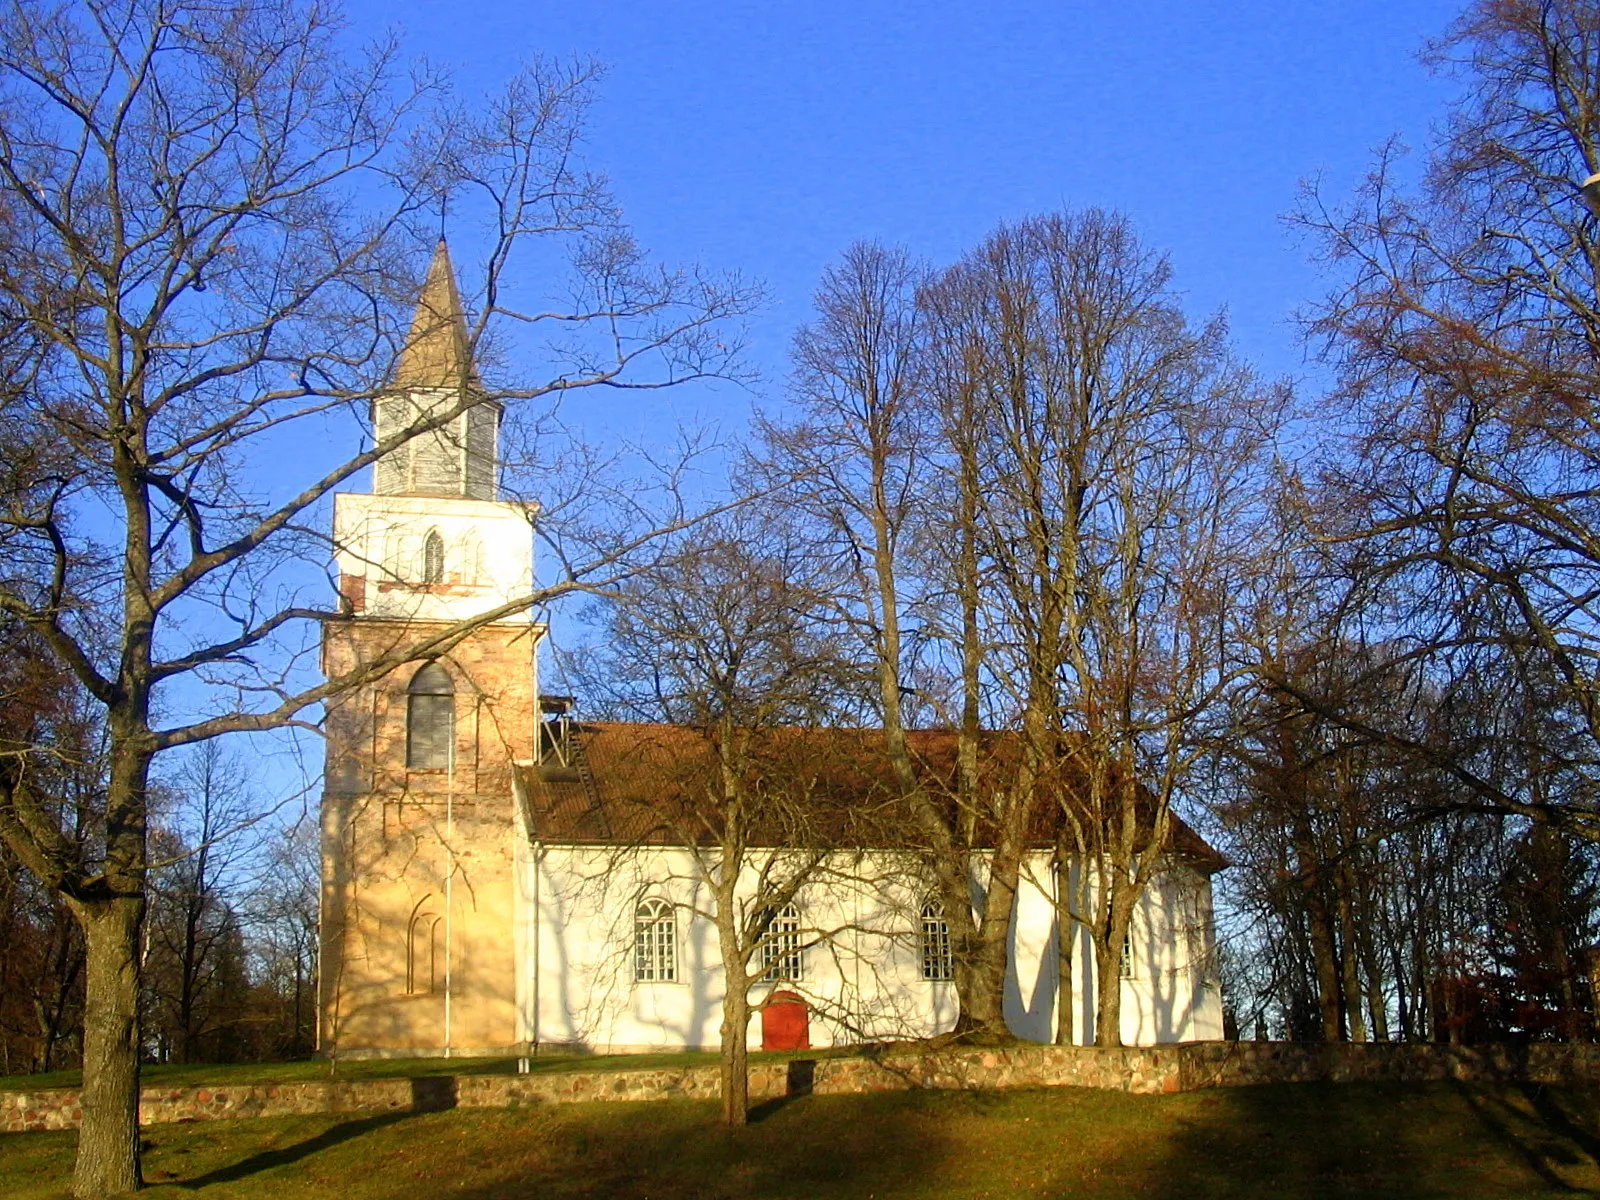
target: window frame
782 955
938 960
423 695
655 941
433 558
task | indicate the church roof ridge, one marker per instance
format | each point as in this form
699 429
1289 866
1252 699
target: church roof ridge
437 351
643 772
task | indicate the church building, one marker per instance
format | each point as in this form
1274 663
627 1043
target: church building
485 886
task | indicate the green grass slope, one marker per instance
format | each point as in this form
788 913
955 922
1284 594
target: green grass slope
1430 1140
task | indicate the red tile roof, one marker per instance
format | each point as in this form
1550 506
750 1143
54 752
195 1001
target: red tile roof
650 784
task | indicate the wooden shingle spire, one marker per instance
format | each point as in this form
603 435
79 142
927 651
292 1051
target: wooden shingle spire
436 353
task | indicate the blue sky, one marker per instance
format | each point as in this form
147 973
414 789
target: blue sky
764 138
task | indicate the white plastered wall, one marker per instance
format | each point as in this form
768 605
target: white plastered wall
488 554
862 975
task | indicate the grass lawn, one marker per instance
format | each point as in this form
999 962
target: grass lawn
1366 1140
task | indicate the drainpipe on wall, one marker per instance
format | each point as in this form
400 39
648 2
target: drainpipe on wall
525 836
538 929
449 879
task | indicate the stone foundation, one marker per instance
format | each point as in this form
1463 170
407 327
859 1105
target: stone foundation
1147 1070
1234 1064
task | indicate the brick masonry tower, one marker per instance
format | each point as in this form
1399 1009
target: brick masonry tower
417 897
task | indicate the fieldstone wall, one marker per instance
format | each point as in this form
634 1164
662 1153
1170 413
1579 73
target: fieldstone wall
60 1108
1148 1070
1127 1069
1234 1064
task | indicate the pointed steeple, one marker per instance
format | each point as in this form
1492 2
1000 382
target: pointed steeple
436 353
435 376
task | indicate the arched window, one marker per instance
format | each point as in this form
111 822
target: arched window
655 942
431 719
433 557
422 951
469 558
937 960
781 955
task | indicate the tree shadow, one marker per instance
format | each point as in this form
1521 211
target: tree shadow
428 1094
1556 1117
285 1155
819 1146
1497 1118
802 1074
1337 1140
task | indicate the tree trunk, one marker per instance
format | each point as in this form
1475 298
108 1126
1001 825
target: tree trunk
1568 1017
1402 1007
1323 949
108 1142
1066 941
1065 936
735 1056
984 1013
1377 1005
1350 974
1592 961
1108 988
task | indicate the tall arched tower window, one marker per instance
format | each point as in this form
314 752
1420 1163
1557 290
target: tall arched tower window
430 718
433 558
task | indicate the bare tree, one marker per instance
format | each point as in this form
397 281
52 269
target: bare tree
214 217
723 640
1362 882
1036 463
1110 453
197 859
281 918
1466 334
41 946
865 464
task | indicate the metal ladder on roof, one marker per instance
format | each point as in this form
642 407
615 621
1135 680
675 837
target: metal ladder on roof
580 762
567 745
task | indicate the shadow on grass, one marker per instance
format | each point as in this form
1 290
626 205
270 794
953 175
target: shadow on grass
802 1074
1322 1141
1540 1155
1558 1119
429 1094
285 1155
810 1147
1334 1141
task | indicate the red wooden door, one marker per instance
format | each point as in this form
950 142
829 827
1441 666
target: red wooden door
785 1023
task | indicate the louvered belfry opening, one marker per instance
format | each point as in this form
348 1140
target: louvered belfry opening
430 719
434 375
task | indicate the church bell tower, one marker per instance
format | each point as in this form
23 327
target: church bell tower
417 796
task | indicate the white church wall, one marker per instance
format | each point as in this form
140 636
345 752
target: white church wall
861 970
488 554
862 976
1030 995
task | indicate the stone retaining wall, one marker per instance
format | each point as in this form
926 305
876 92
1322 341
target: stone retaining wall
59 1108
1155 1069
1232 1064
1129 1069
